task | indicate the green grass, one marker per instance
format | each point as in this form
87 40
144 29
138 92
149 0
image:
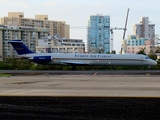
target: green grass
5 75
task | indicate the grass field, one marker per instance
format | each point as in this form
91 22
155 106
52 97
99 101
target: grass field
5 75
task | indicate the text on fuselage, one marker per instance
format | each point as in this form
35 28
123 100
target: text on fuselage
93 56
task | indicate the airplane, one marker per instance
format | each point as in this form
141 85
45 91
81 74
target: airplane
75 59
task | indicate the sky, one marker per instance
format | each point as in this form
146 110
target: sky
76 13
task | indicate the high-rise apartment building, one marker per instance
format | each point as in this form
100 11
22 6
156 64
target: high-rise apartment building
29 35
98 38
55 27
144 29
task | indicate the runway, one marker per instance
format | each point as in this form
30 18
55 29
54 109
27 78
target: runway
80 97
81 85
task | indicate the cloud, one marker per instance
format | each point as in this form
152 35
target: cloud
6 2
14 4
49 4
70 7
97 5
21 5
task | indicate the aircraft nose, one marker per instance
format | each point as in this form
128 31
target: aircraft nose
154 62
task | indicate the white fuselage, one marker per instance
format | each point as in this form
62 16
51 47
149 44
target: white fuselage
95 59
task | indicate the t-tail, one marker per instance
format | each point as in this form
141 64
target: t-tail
20 47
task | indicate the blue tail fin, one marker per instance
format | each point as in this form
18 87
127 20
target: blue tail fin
20 47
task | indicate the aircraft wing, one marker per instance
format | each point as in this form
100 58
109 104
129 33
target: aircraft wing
22 57
74 63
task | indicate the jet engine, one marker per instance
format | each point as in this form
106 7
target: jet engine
41 59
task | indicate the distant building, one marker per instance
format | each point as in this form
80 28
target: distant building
29 35
98 38
143 37
60 45
144 29
134 45
40 21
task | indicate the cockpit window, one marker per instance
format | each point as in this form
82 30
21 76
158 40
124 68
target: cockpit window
147 57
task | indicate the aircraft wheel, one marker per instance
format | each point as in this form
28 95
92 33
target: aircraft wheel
149 67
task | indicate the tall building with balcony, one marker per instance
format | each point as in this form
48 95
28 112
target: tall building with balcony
29 35
98 37
41 21
144 29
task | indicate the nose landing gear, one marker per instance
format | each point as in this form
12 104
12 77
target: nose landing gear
149 67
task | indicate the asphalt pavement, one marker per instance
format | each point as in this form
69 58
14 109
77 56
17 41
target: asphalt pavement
80 95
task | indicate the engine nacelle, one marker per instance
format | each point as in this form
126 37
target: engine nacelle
41 59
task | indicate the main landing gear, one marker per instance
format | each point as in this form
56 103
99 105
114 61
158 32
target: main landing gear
74 68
